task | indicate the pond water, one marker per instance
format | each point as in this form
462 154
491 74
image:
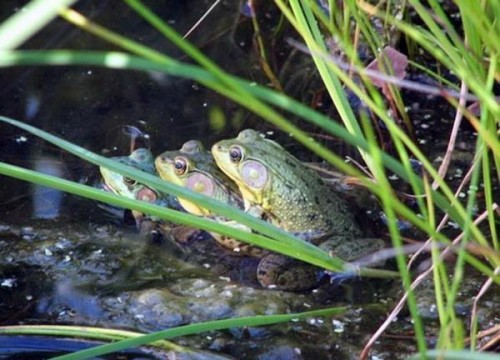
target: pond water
66 260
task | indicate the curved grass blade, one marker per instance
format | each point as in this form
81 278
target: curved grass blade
191 329
286 244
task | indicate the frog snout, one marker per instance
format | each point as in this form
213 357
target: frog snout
216 149
163 159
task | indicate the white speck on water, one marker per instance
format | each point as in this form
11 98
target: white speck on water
312 321
461 195
297 351
205 104
272 286
338 326
237 249
422 141
48 252
307 305
242 43
209 337
269 132
427 116
67 258
89 72
225 278
227 293
454 225
206 266
393 177
425 126
21 139
29 297
139 316
8 282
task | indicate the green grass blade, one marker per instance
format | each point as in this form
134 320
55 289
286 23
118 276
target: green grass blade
85 332
305 253
279 240
28 21
196 329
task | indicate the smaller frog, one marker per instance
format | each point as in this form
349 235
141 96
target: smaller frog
193 167
277 187
141 159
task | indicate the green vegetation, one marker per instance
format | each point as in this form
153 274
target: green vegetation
471 53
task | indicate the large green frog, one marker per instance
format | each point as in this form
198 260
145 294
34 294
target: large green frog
193 167
277 187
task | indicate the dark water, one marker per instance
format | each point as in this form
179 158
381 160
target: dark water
66 260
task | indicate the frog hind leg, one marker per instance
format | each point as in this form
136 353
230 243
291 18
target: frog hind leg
283 273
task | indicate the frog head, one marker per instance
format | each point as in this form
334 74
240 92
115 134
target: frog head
194 168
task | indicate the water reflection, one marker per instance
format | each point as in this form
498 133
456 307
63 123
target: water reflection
47 201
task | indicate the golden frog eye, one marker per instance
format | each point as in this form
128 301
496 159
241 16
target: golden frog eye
129 181
235 154
180 165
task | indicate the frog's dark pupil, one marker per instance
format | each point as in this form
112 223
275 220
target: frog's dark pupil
180 166
235 154
130 181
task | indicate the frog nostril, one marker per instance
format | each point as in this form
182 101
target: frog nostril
216 147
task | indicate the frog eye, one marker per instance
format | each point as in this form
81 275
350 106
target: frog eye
129 181
235 154
180 165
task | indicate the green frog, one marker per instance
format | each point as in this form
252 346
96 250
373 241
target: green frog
143 160
193 167
277 187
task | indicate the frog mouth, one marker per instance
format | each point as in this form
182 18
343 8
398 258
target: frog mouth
105 187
